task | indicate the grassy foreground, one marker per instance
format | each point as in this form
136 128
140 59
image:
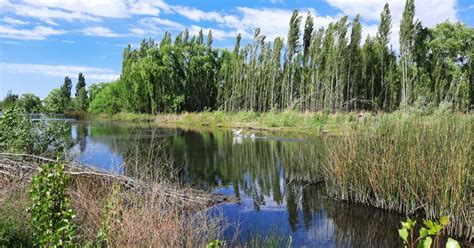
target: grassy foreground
111 210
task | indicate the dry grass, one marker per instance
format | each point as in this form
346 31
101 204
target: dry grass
127 212
144 219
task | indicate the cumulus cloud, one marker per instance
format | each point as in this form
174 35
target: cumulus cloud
217 34
273 22
60 70
198 15
37 33
430 12
99 31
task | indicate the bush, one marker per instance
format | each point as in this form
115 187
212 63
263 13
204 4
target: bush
15 131
50 212
19 134
105 100
15 229
30 102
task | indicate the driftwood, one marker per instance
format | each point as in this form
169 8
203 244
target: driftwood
24 166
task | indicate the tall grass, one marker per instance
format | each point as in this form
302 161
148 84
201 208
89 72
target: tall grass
410 164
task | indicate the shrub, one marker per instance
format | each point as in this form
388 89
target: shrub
50 212
20 135
425 239
15 229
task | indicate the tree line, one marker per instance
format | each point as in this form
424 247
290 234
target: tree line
314 69
58 100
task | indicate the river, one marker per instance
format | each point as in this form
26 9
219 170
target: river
275 176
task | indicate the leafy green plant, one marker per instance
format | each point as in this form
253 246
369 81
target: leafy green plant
110 216
15 130
426 234
19 134
50 211
215 244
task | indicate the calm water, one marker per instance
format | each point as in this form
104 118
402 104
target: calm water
276 179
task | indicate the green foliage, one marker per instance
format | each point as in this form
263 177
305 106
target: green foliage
54 102
81 101
110 217
105 98
50 211
432 229
30 102
19 134
64 97
10 100
330 71
15 228
215 244
16 131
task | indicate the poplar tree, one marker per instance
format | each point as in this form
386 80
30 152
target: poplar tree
383 39
407 33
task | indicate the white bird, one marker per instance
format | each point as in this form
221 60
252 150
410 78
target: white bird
237 132
252 136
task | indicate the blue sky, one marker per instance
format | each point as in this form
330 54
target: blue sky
42 41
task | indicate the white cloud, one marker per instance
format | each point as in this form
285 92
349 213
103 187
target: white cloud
273 22
69 10
13 21
45 14
37 33
198 15
158 23
148 7
217 34
138 31
99 31
151 26
430 12
60 70
102 8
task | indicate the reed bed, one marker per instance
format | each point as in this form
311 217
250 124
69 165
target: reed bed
406 163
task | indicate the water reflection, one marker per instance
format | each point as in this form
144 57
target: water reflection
277 179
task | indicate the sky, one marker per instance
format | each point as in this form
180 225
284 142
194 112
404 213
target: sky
42 41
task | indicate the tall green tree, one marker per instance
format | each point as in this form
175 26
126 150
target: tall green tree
383 40
65 94
81 100
407 38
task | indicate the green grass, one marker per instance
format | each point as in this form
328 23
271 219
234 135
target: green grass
409 164
278 121
126 117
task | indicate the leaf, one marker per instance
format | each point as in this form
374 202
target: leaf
425 243
403 233
444 220
405 225
423 232
452 243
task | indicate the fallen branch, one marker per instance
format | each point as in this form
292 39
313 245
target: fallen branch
24 166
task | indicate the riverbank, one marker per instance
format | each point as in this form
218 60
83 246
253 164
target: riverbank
288 121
